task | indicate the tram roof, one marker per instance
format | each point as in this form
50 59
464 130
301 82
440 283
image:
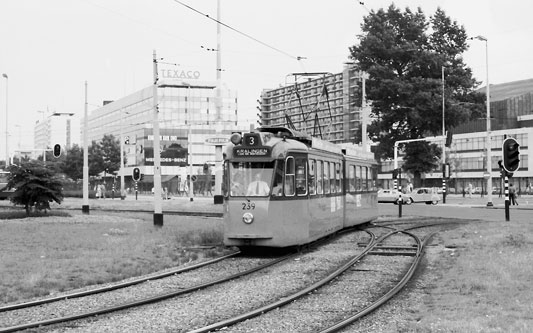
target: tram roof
282 138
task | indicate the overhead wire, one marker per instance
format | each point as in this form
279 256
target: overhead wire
298 58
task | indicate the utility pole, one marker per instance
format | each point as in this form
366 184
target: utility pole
7 127
158 211
218 106
85 205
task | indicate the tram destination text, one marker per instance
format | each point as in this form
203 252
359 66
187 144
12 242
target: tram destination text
242 152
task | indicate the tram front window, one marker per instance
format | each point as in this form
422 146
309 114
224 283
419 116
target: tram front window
251 178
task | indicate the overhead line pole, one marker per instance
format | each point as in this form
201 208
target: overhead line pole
85 205
158 210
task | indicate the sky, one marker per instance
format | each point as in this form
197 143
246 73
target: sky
50 48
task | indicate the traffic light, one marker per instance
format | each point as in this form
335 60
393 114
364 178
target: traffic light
136 174
127 140
395 174
511 155
448 139
57 150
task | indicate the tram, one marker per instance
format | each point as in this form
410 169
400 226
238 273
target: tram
284 188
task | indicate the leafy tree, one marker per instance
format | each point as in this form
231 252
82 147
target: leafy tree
421 158
104 156
111 153
404 53
72 164
96 160
35 184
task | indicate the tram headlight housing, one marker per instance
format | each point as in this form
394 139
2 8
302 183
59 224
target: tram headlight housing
247 218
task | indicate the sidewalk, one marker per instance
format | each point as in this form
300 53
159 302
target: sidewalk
524 201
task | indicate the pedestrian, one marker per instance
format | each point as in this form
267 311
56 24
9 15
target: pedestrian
102 187
512 195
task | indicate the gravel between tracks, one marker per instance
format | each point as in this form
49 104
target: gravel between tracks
184 313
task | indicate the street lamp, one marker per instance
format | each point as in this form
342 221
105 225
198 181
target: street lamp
7 133
488 143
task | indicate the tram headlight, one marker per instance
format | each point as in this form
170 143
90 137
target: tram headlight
236 138
247 218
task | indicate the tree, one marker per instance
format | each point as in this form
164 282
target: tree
72 164
404 53
104 156
111 153
35 184
420 158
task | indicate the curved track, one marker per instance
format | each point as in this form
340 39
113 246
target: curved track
371 248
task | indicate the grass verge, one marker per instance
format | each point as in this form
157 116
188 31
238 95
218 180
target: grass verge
477 280
46 255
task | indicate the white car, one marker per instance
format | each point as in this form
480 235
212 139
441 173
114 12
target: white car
392 196
424 194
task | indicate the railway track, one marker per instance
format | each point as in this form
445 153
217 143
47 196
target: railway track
239 304
339 282
23 315
16 314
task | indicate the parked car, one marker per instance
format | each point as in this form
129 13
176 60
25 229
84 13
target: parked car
392 196
424 194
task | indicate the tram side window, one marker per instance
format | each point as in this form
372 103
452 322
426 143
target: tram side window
358 179
351 178
301 177
319 177
277 188
312 178
326 177
332 177
373 180
289 176
338 177
365 178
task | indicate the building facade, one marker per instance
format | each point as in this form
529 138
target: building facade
57 128
323 104
188 117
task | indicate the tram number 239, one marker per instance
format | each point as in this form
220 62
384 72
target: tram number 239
248 205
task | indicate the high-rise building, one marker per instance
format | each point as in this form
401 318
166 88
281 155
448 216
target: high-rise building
323 104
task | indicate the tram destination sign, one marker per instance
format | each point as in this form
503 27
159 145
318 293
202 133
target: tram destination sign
251 151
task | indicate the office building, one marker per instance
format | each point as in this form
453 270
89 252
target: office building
56 128
188 118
